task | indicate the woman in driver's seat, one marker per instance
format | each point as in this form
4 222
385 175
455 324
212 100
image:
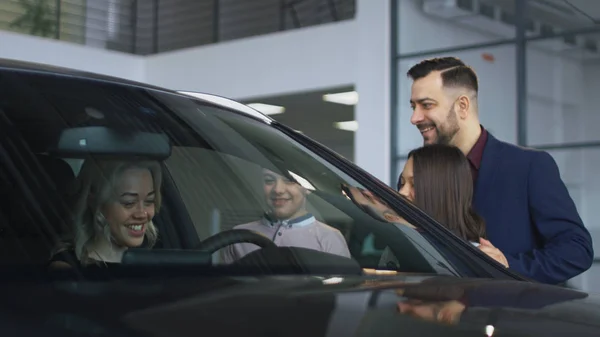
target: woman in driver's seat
288 222
116 202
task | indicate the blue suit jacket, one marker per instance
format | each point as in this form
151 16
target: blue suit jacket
529 213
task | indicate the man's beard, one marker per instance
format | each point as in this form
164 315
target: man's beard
446 134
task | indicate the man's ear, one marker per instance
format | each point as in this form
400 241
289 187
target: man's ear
462 106
390 217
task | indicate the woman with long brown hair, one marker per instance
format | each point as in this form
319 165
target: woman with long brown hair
437 179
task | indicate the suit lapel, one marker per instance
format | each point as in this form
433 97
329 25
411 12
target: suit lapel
490 164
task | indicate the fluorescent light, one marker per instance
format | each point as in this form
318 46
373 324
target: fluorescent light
347 98
267 109
347 125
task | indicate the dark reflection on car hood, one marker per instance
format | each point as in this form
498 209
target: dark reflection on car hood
302 306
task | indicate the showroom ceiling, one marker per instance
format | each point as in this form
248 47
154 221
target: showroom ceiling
309 113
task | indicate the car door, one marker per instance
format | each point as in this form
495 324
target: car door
214 175
468 259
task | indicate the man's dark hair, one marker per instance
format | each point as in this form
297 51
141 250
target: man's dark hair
444 189
454 72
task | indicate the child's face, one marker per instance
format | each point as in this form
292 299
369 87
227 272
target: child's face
287 199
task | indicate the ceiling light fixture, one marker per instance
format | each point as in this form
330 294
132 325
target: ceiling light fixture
347 125
346 98
267 109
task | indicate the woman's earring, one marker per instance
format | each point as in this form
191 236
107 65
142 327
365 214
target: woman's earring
101 219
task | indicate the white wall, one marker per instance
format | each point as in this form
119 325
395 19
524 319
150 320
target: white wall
299 60
557 90
65 54
317 57
292 61
356 52
372 82
498 112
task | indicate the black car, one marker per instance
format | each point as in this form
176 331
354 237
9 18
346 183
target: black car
400 277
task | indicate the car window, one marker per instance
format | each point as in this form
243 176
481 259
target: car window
225 171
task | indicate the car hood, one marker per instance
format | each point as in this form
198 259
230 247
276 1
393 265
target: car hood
298 306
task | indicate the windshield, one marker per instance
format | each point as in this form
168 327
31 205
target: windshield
95 169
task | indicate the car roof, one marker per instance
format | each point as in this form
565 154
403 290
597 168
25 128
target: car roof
229 104
11 64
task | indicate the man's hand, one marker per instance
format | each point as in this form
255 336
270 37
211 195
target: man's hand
448 312
492 251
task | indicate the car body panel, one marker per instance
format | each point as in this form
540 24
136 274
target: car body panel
229 104
300 306
12 65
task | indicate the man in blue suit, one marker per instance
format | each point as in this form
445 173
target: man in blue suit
532 223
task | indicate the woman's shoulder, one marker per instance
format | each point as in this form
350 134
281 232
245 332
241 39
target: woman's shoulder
63 258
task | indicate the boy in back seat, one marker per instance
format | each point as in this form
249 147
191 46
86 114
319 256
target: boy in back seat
287 222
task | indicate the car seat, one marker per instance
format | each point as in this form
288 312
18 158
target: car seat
24 237
60 173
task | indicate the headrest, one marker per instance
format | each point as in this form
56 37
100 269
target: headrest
60 173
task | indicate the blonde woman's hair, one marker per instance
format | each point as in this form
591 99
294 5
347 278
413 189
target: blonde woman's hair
99 178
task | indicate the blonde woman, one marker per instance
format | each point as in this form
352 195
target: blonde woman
114 208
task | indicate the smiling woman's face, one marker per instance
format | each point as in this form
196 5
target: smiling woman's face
131 208
285 198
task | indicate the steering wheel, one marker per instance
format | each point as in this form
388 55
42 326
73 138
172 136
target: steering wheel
233 236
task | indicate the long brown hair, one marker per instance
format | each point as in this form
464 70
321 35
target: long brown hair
444 189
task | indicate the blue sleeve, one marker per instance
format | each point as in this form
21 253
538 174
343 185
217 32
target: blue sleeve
566 249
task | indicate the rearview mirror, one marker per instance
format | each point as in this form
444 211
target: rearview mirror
102 141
